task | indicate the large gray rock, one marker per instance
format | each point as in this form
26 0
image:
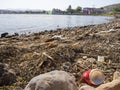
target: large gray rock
54 80
7 76
87 87
114 85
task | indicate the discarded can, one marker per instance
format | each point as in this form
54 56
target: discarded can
93 77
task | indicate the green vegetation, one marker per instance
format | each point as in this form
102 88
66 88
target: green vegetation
116 12
107 14
69 10
116 9
78 9
73 11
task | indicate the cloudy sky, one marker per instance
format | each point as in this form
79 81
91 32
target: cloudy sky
50 4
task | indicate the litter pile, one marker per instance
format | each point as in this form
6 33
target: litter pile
73 50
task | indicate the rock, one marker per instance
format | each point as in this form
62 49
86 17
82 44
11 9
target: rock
54 80
87 87
107 31
66 66
4 34
57 37
84 57
18 88
116 75
92 60
16 34
114 85
7 76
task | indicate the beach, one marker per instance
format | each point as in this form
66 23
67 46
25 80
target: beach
73 50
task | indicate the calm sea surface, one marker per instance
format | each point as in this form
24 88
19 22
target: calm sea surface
23 23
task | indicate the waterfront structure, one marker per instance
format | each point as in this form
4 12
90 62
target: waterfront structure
89 11
57 11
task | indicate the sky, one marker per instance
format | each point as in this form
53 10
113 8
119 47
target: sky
50 4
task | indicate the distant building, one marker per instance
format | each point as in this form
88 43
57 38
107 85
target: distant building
88 10
57 11
99 11
92 11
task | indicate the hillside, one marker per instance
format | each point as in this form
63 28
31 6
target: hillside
110 8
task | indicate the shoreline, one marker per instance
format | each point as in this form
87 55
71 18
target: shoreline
28 30
70 49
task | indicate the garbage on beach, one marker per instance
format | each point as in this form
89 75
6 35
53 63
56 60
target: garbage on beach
101 59
107 31
93 77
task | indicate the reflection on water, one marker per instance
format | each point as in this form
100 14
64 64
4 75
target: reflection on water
92 21
22 23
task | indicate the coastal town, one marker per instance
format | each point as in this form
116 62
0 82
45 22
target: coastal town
69 11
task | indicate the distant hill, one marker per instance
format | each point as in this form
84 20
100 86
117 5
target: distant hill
110 8
3 11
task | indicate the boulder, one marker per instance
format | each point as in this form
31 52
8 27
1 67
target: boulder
87 87
7 76
114 85
54 80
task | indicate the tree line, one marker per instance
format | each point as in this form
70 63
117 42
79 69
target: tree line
116 9
73 11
